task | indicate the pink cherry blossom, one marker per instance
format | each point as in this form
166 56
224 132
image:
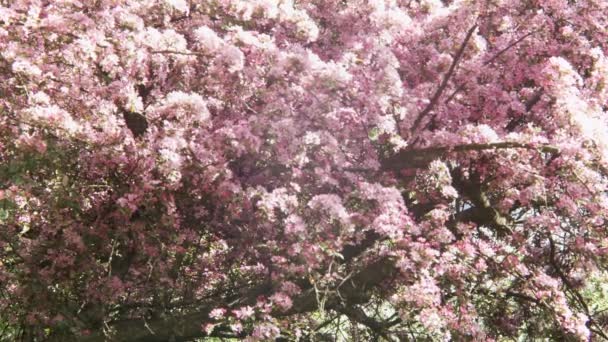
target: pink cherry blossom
254 170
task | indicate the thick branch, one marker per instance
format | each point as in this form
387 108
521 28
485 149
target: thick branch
356 290
187 326
174 52
359 316
418 158
485 212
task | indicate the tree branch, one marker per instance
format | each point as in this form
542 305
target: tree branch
359 316
181 326
418 158
492 59
591 324
486 213
175 52
508 47
444 82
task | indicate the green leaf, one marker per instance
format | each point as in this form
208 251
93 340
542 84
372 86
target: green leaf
374 133
4 215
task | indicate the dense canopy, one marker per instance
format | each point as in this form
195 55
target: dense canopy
304 170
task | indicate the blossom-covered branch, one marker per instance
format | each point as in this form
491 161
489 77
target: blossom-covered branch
289 170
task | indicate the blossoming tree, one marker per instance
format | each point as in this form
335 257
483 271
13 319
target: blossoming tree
298 170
